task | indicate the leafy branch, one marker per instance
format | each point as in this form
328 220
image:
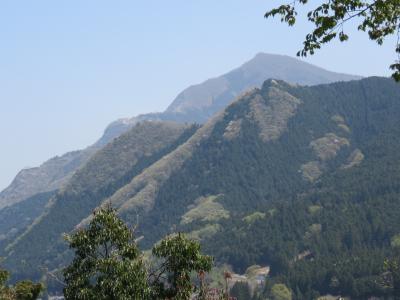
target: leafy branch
378 18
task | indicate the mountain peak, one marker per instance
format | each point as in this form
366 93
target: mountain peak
278 83
211 96
195 104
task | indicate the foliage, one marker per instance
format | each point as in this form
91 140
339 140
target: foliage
391 279
179 258
395 241
15 218
280 292
107 263
23 290
241 291
379 18
102 176
355 210
346 219
3 279
27 290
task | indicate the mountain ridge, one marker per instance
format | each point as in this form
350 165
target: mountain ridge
251 166
187 107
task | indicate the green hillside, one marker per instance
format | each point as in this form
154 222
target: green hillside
319 175
16 218
195 104
304 179
109 169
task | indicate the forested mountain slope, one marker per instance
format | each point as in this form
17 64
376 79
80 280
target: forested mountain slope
47 177
108 170
305 179
57 171
15 218
195 104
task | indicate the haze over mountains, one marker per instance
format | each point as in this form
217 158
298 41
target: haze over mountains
201 101
195 104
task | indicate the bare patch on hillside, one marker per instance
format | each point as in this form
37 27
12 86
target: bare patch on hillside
142 190
314 209
344 128
233 129
327 147
249 219
311 171
355 158
324 148
205 209
341 123
272 116
338 119
205 232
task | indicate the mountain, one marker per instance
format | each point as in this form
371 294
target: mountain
14 219
57 171
195 104
305 179
47 177
106 171
200 102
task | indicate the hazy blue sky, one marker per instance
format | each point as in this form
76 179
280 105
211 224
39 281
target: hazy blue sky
68 68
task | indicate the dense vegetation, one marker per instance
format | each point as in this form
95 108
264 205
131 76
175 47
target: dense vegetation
107 171
23 290
304 179
346 220
15 218
109 265
380 19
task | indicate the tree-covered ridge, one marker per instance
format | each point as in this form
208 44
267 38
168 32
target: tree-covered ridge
247 170
349 210
308 181
196 104
49 176
15 218
199 102
106 172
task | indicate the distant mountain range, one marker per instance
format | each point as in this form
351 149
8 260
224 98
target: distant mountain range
305 179
200 102
195 104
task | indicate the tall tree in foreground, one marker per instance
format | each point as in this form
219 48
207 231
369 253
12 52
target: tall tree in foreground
379 18
180 257
107 263
23 290
5 292
109 266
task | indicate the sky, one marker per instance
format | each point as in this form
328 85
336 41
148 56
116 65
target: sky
69 68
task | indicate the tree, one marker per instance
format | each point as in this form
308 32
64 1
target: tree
280 292
23 290
27 290
4 290
179 257
379 18
107 263
241 291
392 277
